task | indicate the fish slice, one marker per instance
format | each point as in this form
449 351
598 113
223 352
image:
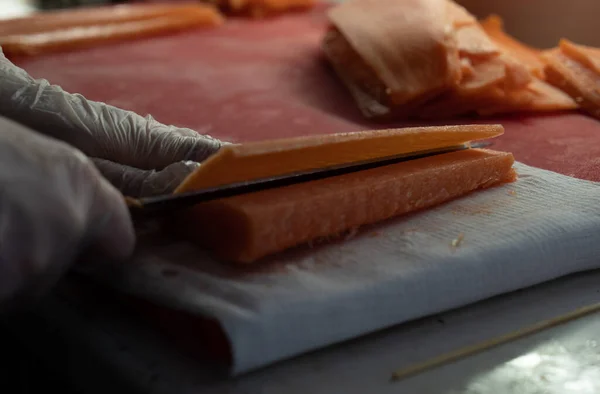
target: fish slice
148 207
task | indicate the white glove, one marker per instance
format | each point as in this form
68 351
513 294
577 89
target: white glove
140 156
54 203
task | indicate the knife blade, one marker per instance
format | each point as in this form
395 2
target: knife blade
166 204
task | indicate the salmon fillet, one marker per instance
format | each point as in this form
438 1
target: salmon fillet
575 69
244 229
93 31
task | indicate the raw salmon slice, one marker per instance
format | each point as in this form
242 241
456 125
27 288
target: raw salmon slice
86 36
246 228
236 163
575 70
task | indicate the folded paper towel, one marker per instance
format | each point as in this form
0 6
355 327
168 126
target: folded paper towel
543 226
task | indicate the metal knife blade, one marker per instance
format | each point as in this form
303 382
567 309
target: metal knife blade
165 204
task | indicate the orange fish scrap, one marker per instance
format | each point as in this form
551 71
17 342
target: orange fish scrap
71 29
576 70
433 59
261 8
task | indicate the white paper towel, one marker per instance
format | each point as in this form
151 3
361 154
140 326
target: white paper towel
543 226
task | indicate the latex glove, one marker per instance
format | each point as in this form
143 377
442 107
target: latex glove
53 203
135 182
130 150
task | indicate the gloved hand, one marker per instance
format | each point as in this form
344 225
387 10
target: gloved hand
53 203
140 156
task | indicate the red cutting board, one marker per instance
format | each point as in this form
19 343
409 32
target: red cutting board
252 80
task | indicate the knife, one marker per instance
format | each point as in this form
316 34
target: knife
167 204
